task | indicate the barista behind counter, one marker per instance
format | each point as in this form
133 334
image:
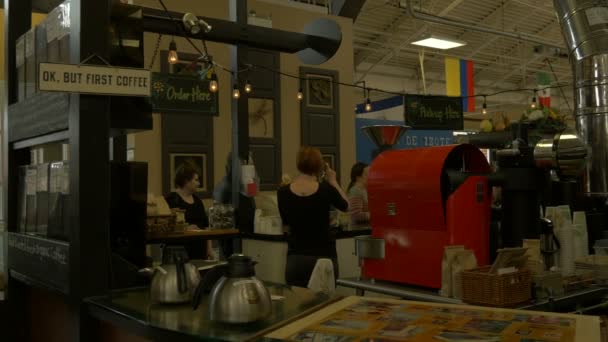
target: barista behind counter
244 213
184 197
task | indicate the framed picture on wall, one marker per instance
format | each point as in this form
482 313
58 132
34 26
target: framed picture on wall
196 160
319 91
261 118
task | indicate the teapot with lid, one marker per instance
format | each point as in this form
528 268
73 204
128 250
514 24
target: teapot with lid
175 280
238 296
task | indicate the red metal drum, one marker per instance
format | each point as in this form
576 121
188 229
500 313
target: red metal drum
417 211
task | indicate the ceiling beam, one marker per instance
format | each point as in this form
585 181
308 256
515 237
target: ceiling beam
406 41
347 8
439 56
528 61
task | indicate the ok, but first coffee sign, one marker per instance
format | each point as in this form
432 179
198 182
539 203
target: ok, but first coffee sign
168 93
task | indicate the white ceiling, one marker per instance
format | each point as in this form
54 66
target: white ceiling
383 32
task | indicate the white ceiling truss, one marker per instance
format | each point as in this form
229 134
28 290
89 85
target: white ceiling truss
384 30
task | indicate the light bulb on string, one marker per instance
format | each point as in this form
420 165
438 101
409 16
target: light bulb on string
213 86
368 105
173 57
248 87
300 95
533 104
484 107
235 92
368 102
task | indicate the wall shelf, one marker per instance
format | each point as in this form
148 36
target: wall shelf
38 115
32 256
43 139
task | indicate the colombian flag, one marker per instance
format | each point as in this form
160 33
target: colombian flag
459 81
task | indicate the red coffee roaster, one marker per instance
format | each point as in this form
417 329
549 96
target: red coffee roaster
418 207
424 199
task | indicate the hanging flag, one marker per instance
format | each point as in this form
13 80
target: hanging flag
459 81
544 93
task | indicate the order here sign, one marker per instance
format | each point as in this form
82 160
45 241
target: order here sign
88 79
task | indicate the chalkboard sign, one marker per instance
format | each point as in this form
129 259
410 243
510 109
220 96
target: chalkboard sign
41 259
433 112
183 94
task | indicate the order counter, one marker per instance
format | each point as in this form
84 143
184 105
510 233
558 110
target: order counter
302 315
130 315
270 253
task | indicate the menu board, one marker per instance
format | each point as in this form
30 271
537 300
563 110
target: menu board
434 112
175 93
378 320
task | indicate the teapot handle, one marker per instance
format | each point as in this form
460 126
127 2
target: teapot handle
207 282
182 285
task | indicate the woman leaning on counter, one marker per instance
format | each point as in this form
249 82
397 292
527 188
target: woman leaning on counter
184 197
357 196
304 205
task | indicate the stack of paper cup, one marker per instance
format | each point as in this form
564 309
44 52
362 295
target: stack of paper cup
565 235
579 218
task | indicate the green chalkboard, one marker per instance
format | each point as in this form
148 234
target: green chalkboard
174 93
433 112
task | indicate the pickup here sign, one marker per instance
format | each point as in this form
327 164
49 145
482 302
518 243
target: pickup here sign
88 79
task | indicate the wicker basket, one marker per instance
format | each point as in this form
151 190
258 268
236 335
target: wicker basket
506 290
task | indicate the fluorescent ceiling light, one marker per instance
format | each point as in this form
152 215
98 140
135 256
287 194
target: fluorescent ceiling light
439 43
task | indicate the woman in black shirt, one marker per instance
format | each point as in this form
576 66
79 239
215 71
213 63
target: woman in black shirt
184 197
304 205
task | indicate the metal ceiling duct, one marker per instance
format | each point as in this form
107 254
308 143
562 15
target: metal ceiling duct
585 28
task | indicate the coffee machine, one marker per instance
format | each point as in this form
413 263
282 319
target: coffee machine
424 199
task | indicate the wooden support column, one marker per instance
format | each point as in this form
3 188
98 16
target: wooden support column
89 122
17 20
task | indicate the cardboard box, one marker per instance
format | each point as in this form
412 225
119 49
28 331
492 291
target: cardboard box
31 179
20 65
41 51
63 37
31 69
42 200
52 32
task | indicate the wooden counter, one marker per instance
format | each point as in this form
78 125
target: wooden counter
367 319
189 235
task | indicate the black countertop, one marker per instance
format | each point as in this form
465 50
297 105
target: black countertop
133 311
339 234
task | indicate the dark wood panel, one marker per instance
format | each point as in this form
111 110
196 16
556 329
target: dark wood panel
321 130
186 134
267 85
266 160
187 129
262 80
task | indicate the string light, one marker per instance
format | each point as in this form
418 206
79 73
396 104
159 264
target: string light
368 103
213 86
173 57
235 92
248 87
484 107
300 95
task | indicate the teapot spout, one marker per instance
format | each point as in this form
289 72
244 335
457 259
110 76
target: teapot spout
148 272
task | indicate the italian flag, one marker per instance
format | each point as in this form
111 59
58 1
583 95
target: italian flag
544 93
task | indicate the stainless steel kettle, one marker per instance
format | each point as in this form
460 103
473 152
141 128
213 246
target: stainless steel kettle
238 296
176 280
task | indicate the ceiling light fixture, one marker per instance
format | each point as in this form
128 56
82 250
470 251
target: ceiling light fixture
439 42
